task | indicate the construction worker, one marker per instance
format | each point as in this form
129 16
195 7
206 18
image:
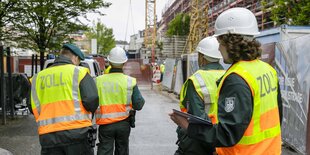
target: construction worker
63 97
198 95
119 97
162 71
249 100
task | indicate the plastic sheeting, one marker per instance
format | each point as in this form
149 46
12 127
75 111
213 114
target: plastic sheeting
169 74
292 64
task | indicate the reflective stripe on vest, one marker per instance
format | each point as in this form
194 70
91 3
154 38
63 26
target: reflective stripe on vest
263 135
63 110
36 108
115 91
205 85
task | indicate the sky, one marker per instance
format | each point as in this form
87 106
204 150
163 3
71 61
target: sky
117 15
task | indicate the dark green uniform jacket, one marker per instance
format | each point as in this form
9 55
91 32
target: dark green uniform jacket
195 106
231 126
90 100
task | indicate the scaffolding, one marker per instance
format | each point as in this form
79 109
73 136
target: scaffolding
260 8
150 27
198 23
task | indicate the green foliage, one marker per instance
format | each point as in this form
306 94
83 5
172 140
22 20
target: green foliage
179 25
104 36
7 10
160 45
45 24
291 12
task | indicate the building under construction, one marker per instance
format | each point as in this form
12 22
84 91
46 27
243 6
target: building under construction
261 9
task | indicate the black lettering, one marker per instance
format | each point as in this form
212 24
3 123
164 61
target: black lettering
54 81
42 82
266 80
261 86
61 80
274 88
48 81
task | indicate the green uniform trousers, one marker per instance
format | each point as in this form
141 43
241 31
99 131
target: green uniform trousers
79 148
116 134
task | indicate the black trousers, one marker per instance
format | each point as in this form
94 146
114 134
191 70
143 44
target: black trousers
116 134
82 148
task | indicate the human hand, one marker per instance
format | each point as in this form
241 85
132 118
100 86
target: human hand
179 120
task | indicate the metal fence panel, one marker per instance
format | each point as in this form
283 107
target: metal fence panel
292 63
168 74
178 78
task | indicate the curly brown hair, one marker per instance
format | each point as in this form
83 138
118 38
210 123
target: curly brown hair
240 48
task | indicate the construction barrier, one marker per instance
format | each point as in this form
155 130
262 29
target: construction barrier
167 82
156 74
178 78
285 48
292 64
193 63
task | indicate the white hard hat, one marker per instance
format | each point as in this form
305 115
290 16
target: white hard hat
209 47
236 21
117 56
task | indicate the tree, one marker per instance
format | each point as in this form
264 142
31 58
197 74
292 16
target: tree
291 12
179 25
104 36
46 23
7 9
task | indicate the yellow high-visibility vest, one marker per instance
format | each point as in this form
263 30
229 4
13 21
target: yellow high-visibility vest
115 91
205 85
263 135
56 100
162 68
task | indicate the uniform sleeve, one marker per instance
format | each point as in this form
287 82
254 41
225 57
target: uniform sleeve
89 93
193 102
137 99
235 108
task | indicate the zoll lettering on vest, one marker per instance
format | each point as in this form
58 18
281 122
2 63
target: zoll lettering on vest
52 80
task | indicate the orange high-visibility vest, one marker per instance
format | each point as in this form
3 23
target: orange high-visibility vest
205 85
115 91
263 135
56 100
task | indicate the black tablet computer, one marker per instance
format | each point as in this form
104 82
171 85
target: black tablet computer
193 118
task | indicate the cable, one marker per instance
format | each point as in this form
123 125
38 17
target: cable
133 26
127 20
131 15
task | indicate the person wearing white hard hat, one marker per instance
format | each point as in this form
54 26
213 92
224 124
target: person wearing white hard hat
249 100
197 96
119 98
